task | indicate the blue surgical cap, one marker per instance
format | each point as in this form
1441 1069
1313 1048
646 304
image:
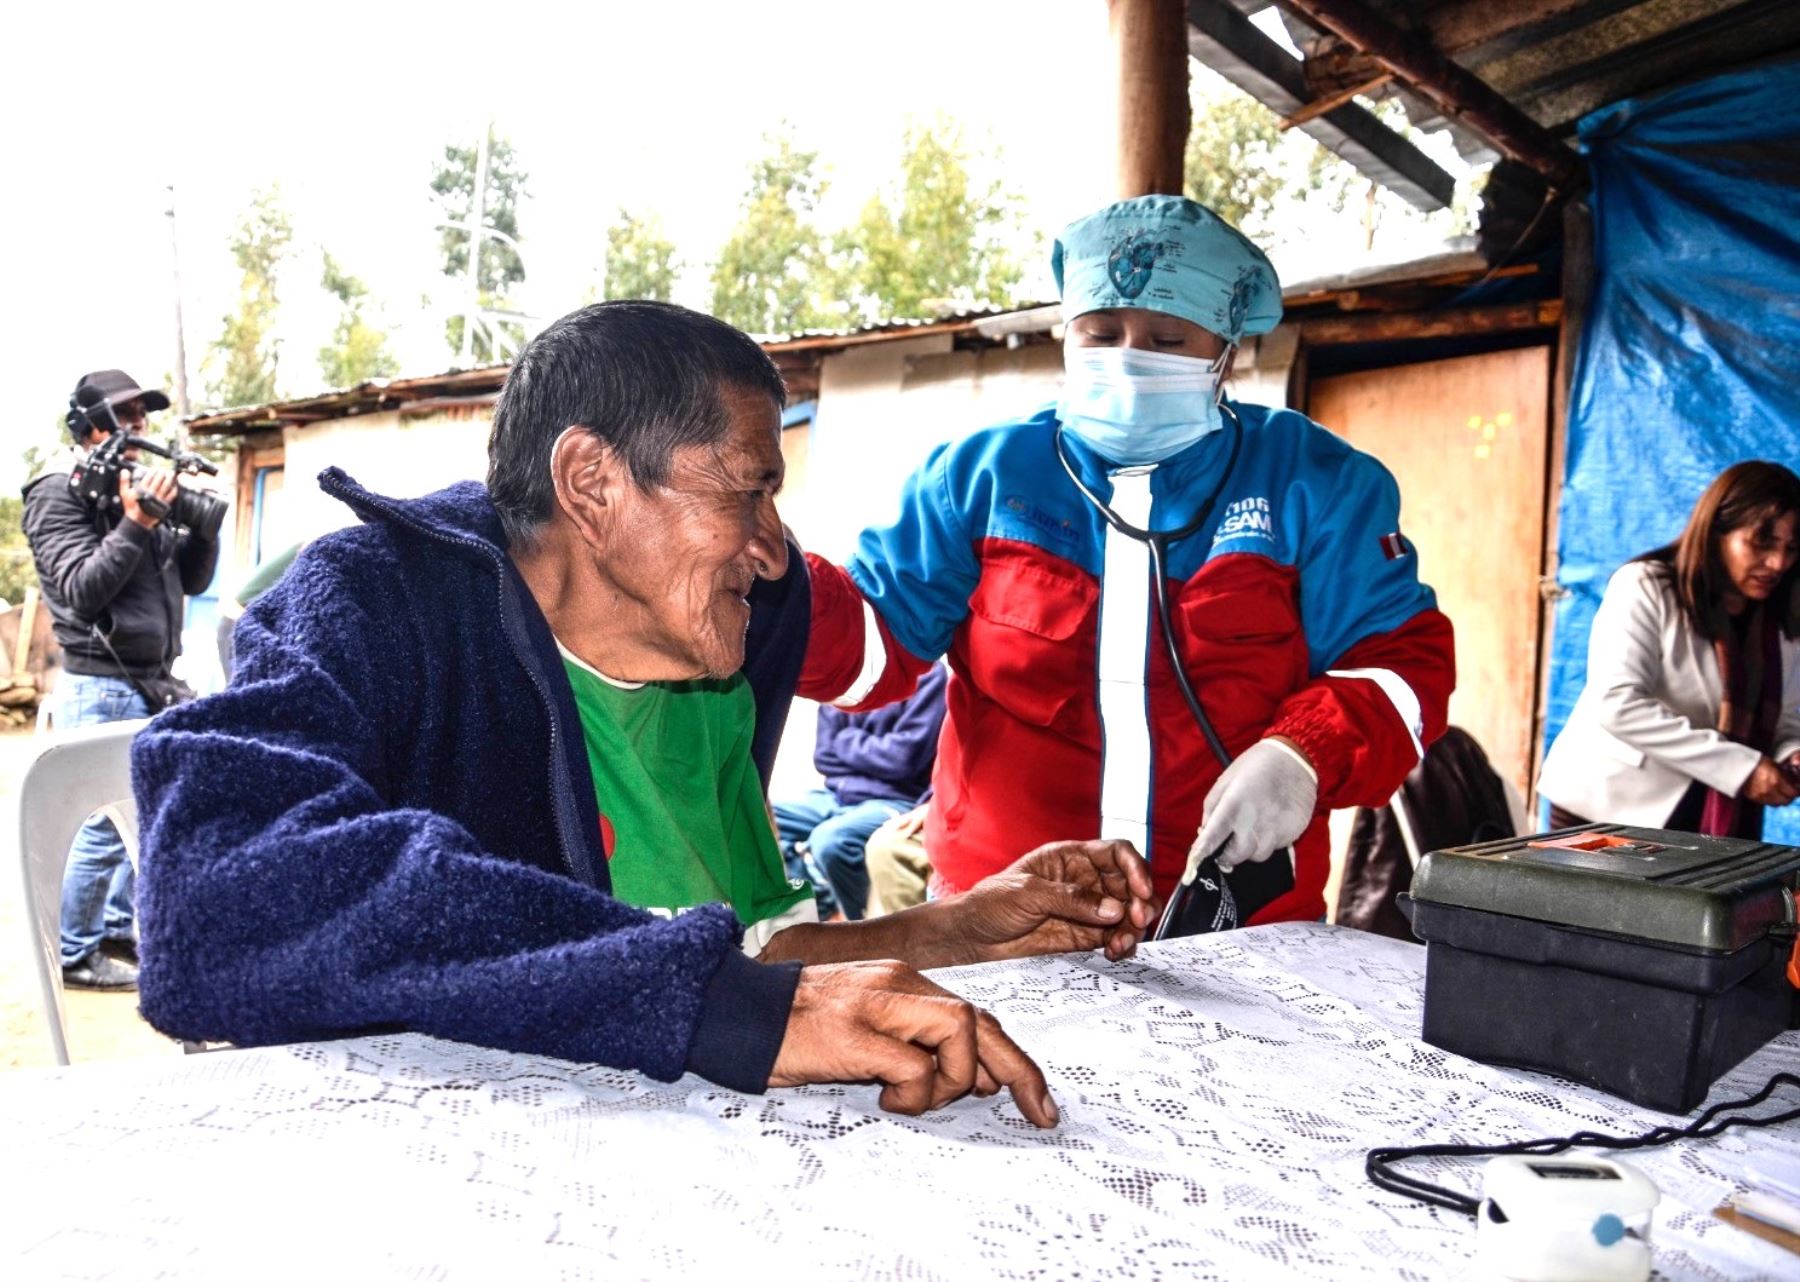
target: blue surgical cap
1168 254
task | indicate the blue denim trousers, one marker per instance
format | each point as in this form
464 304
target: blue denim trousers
823 841
98 879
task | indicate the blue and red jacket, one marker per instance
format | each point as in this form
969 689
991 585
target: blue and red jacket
1297 610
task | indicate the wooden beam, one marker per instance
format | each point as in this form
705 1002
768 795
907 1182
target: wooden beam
1577 288
1462 322
1228 42
1150 52
1319 106
1457 92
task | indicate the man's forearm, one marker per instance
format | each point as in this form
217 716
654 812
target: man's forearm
922 937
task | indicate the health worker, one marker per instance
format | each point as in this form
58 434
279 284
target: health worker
1043 556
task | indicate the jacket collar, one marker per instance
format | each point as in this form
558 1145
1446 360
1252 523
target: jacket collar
462 513
462 516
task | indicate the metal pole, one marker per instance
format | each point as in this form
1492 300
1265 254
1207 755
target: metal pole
477 216
182 407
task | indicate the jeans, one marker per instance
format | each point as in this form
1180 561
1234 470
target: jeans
98 879
822 840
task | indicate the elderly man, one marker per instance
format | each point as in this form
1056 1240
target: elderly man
489 768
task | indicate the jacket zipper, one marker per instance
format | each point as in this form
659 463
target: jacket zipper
558 783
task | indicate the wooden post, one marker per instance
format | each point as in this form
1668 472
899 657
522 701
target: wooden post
1150 48
1577 291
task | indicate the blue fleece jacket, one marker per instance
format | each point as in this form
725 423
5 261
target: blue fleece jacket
886 754
387 821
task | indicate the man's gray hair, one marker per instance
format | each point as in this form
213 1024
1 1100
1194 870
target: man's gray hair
647 378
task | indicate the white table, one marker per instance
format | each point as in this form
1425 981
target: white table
1217 1095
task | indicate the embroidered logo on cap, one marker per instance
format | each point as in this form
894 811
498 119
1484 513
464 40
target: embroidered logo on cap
1131 261
1239 308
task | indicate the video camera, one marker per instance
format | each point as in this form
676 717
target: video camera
96 480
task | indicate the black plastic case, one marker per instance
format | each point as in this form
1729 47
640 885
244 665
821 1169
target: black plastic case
1642 962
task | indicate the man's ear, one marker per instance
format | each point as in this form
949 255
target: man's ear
590 480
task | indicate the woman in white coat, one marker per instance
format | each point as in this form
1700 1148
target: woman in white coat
1690 719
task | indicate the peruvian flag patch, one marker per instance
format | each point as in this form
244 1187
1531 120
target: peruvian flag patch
1393 546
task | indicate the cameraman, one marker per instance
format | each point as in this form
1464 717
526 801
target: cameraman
113 576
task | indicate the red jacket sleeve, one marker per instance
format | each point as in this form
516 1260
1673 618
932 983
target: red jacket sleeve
1365 722
845 665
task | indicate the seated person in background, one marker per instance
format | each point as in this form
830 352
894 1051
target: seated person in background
489 768
876 765
1690 718
899 867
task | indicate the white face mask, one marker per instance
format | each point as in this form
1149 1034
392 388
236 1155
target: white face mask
1136 407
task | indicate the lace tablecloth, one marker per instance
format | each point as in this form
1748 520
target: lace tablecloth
1217 1097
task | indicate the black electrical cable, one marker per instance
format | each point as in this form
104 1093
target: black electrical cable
1379 1165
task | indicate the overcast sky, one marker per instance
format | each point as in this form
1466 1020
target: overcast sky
657 107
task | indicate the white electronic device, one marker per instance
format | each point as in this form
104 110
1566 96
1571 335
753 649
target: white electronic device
1564 1219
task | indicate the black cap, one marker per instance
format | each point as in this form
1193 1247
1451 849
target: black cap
115 387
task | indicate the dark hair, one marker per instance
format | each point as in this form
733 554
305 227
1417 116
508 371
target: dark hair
645 377
1753 493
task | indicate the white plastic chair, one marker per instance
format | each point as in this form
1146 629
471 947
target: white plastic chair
77 773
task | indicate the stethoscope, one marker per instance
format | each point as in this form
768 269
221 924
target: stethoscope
1158 541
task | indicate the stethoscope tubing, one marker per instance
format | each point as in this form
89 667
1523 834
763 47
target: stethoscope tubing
1158 542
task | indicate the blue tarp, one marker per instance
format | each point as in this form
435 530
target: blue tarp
1690 356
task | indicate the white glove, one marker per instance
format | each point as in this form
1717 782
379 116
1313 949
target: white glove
1261 803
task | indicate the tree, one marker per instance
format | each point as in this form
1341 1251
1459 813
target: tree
17 571
936 239
245 349
1240 164
357 351
772 275
640 260
454 186
1231 163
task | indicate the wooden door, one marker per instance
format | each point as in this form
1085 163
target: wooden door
1466 438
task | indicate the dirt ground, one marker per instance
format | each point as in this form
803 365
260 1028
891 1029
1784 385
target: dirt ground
99 1026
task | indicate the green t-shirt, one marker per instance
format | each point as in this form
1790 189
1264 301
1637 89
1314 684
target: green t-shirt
682 816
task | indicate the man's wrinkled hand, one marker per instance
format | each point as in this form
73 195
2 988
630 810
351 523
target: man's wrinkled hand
1068 896
882 1021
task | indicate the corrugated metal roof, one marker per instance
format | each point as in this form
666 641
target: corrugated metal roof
1456 265
790 352
1557 60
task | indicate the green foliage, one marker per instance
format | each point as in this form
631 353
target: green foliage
1240 164
1231 160
936 241
244 352
453 184
773 274
357 351
16 569
640 260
